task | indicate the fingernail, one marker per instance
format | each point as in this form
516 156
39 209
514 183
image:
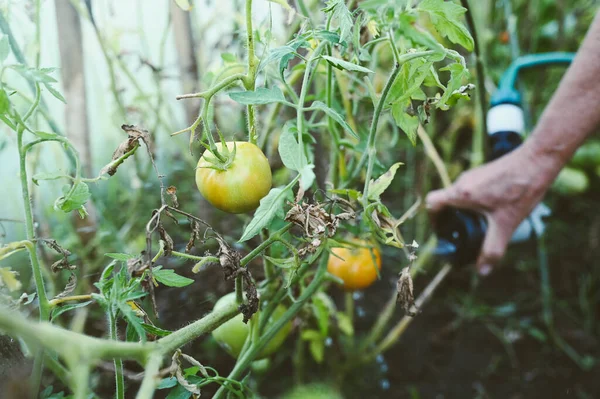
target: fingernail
485 270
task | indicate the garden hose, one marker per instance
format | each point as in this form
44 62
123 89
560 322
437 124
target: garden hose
461 232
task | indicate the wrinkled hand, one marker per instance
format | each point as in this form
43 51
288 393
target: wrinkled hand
505 191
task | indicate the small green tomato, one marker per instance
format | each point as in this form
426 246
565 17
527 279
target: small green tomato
232 334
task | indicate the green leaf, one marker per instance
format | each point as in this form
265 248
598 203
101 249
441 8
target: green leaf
40 75
45 135
277 54
4 102
307 176
179 392
46 176
270 206
72 200
133 320
378 187
228 57
291 154
458 74
285 263
159 332
311 335
341 18
344 324
446 17
335 116
354 194
408 82
261 95
282 3
345 65
419 37
169 278
322 312
4 48
408 123
119 256
327 35
169 382
55 92
317 350
62 309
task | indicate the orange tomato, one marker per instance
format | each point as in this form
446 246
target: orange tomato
358 267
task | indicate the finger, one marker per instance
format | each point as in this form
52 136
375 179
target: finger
439 199
494 246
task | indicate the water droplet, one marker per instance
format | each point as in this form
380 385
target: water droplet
380 359
384 367
360 312
328 341
357 295
384 384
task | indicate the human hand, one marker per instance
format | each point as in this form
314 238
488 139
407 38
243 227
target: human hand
505 191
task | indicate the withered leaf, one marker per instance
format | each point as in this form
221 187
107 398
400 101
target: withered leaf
404 287
168 241
69 288
172 191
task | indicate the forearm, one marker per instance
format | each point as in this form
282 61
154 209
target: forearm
574 111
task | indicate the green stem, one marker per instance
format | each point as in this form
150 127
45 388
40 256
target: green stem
239 289
16 50
44 306
381 323
394 334
192 331
371 148
151 378
270 240
38 34
250 80
349 302
119 378
244 362
80 374
303 90
477 157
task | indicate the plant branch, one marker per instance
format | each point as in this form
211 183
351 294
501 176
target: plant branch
244 362
478 141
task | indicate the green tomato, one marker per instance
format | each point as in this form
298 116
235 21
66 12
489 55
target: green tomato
587 156
571 181
240 188
232 334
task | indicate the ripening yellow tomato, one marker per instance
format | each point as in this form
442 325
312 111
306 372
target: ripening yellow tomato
240 188
358 267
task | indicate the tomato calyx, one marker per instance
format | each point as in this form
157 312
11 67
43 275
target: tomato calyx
220 160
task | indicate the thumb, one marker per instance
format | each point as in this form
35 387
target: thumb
494 246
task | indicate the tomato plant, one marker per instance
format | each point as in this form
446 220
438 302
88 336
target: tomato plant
232 334
241 185
318 102
358 266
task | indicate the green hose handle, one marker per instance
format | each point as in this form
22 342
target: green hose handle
506 92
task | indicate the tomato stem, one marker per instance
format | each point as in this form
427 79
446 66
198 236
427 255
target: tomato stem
250 79
244 361
300 109
371 148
